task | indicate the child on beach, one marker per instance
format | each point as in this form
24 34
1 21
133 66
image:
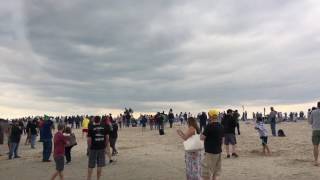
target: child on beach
71 138
59 150
260 127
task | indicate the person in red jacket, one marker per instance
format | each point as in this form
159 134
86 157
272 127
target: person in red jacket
59 150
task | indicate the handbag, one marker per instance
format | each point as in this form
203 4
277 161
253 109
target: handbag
73 141
194 143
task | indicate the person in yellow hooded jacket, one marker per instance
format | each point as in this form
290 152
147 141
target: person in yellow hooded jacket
85 125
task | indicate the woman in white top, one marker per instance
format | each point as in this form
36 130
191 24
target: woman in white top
192 159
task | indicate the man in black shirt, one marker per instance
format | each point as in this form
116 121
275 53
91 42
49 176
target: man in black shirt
230 123
98 137
213 136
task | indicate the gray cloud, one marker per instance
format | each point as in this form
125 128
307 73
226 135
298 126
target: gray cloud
142 54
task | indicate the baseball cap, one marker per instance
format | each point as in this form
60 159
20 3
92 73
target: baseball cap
213 113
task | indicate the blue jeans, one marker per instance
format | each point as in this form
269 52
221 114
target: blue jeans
273 127
13 149
47 149
33 140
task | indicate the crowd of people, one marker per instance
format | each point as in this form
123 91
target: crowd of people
215 128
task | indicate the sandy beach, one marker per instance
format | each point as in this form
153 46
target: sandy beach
148 156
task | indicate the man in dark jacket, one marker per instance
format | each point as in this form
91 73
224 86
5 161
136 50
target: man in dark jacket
15 137
113 137
46 139
2 130
203 120
230 123
236 115
171 118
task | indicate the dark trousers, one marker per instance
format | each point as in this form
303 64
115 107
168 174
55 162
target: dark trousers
113 142
202 126
273 127
171 122
47 149
67 153
238 128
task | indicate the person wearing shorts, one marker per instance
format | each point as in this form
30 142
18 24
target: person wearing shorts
316 138
230 139
229 123
59 160
213 137
315 122
263 134
58 153
211 165
97 158
98 136
264 140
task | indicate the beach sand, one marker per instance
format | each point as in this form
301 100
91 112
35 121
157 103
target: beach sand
148 156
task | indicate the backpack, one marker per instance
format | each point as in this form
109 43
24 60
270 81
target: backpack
281 133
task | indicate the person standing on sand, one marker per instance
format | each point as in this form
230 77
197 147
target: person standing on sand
229 124
32 130
192 159
315 122
15 136
97 142
143 122
85 124
46 139
213 137
181 118
236 115
203 121
151 122
26 129
1 134
113 137
59 150
171 118
263 133
71 138
273 122
185 117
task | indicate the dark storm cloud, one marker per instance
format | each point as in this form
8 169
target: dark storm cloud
144 53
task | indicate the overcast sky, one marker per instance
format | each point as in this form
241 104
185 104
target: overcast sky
81 56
